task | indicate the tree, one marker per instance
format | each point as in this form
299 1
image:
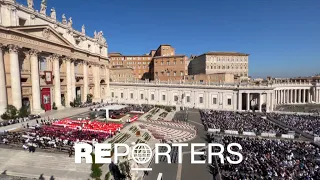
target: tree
107 177
89 98
95 169
24 111
125 168
5 116
12 111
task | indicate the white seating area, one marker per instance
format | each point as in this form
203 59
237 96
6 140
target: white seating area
169 134
174 124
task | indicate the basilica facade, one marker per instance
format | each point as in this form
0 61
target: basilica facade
44 61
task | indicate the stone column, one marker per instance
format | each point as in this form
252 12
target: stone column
277 97
287 96
69 82
239 101
107 82
36 101
260 102
73 80
291 96
248 101
15 76
96 74
3 88
303 95
85 80
309 96
57 83
271 107
280 94
268 102
299 96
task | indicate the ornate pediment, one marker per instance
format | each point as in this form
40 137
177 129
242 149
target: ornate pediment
44 32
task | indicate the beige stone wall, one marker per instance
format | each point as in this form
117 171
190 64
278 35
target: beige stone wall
212 78
121 74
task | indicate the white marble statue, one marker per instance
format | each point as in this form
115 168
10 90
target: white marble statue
53 14
83 29
70 22
30 4
64 19
43 8
95 34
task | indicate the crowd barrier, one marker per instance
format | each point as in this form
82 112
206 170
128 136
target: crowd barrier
213 130
231 132
249 133
268 134
288 136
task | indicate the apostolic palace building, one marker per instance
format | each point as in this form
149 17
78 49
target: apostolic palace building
44 61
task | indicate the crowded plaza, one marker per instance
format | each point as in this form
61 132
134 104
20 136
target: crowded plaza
239 121
52 134
272 159
307 123
265 158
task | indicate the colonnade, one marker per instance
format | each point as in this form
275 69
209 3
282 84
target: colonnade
32 55
297 96
247 98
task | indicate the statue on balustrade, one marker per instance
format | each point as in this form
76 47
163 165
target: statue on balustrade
43 8
30 4
99 37
53 14
64 19
70 22
83 30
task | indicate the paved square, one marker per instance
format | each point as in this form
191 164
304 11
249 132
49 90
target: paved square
32 165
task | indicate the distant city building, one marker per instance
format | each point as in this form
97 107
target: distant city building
161 64
139 63
220 62
121 74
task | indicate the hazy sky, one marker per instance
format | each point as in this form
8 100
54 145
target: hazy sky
281 36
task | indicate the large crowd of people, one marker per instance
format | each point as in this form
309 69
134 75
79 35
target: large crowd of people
306 123
47 136
18 120
244 121
271 159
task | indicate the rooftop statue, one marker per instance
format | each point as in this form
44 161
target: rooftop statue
64 19
70 22
99 37
30 4
43 8
53 14
83 30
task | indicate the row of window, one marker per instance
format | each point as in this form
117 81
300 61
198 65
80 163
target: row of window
168 62
176 98
226 67
140 67
234 59
168 73
131 58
